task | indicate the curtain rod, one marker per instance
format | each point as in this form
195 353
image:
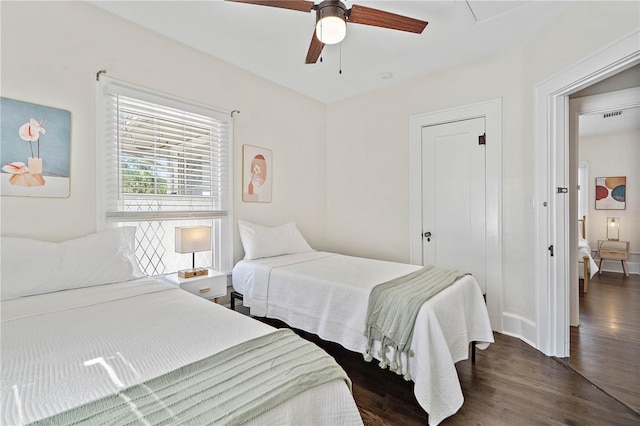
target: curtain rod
100 72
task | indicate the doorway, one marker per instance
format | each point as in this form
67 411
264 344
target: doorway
586 113
554 221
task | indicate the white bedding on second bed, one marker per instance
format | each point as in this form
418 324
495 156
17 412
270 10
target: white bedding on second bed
327 294
585 250
61 350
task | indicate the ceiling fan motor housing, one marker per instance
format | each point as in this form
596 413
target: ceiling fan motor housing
331 8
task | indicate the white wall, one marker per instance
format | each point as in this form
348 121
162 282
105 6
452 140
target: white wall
368 143
53 61
614 155
356 186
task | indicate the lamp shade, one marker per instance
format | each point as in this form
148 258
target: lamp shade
190 239
613 228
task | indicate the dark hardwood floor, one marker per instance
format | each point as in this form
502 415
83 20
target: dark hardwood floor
512 383
605 348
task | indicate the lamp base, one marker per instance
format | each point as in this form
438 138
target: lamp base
194 272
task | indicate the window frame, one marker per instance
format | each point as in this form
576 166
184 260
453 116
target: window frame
222 219
583 191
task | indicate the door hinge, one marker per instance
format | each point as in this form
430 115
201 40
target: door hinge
482 139
562 190
551 250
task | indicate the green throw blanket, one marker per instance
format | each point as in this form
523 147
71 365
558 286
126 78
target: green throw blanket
230 387
393 308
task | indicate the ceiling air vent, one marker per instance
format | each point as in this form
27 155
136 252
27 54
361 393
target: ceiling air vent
612 114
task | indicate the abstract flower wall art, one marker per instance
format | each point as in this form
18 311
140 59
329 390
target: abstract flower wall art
35 142
256 174
610 193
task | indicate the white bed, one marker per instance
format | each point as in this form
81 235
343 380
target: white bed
587 267
67 348
327 294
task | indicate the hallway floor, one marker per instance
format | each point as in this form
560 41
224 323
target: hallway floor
605 348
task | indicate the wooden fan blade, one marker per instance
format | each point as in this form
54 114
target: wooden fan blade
301 5
378 18
315 48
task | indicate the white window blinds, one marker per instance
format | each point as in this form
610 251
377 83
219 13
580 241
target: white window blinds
165 158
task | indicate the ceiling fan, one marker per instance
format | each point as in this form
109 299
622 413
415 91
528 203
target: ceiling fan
332 17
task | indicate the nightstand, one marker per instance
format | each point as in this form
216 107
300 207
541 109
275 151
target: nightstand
210 287
614 250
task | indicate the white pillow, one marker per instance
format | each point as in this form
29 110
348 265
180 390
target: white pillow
260 241
34 267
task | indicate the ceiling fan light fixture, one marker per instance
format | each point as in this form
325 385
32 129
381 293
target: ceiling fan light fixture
331 22
332 17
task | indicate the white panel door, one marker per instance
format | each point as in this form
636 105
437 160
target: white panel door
453 197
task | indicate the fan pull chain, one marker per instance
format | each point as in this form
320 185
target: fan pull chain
321 27
340 71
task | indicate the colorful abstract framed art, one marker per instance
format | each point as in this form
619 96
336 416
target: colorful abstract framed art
35 150
611 193
257 170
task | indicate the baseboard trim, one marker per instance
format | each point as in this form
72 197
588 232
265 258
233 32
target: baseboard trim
515 325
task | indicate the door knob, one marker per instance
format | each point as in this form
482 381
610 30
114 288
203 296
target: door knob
427 235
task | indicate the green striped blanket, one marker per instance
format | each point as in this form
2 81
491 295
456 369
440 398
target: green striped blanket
393 308
230 387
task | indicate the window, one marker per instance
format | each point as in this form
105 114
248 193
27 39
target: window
583 190
164 162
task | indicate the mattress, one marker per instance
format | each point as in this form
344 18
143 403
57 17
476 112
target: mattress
327 294
65 349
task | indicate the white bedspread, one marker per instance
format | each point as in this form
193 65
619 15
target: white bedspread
585 250
327 294
65 349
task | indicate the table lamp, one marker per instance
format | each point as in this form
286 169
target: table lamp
191 239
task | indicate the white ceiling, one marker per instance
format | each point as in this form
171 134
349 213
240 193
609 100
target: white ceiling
273 42
599 125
